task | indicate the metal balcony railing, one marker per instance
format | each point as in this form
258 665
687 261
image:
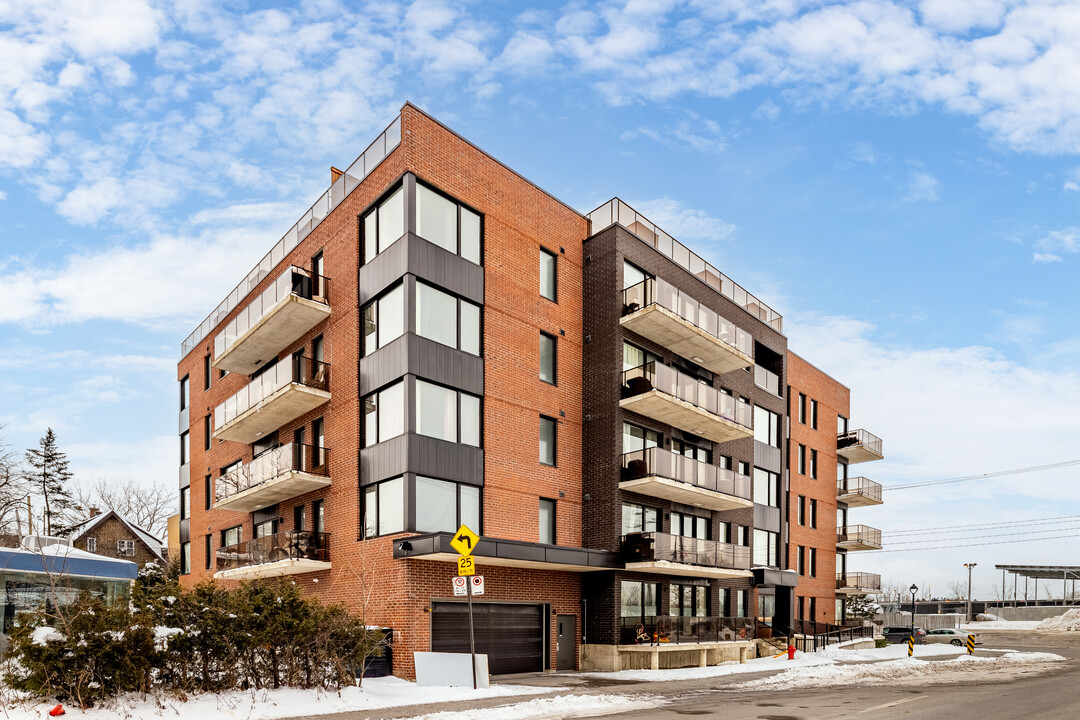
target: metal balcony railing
654 291
297 369
859 438
666 464
615 211
672 629
271 464
656 376
859 486
767 379
860 534
868 582
287 545
664 547
294 281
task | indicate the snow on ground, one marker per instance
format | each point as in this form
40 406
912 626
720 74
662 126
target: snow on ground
908 671
1069 621
1000 625
285 702
561 706
890 652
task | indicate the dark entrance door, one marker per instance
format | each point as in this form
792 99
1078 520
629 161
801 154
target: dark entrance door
512 636
566 639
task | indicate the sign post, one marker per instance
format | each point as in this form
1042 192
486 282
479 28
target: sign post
465 542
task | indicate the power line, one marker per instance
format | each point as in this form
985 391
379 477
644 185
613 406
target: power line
1000 473
977 537
980 526
979 544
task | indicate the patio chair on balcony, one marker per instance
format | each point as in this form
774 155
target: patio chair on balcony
637 386
635 469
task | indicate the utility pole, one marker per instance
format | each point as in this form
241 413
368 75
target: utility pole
969 566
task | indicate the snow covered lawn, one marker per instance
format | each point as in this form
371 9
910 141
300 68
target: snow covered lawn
285 702
561 706
1000 625
909 671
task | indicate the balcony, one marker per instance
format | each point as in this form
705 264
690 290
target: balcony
858 446
767 380
284 472
858 583
680 630
283 393
858 537
667 554
677 399
663 474
279 316
616 212
284 553
858 492
659 311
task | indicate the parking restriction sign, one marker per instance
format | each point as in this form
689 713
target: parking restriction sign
477 584
461 586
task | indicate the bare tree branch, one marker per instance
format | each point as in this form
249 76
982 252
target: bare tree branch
148 506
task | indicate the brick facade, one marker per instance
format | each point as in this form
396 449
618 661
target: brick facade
105 537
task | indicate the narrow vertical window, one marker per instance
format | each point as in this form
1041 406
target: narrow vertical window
184 392
207 433
318 516
802 408
813 463
547 358
209 554
206 372
548 280
547 440
185 449
208 492
185 503
802 460
185 558
547 521
813 414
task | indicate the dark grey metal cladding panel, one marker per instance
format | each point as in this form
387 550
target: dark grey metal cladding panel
384 270
421 455
445 365
446 460
185 530
385 365
446 269
767 457
509 551
766 518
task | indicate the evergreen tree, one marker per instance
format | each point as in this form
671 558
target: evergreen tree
860 607
48 475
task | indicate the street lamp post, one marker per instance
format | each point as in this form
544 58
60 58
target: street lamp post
914 589
969 566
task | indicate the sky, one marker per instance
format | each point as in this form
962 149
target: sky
900 179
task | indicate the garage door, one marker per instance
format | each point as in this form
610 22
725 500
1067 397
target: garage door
512 636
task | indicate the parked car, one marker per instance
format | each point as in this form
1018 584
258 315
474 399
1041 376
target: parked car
951 636
901 633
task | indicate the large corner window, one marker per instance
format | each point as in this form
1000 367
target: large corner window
384 319
384 225
447 414
766 426
443 506
384 508
445 319
445 223
766 548
384 414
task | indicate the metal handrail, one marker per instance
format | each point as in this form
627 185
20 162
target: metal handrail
858 486
286 545
858 533
854 438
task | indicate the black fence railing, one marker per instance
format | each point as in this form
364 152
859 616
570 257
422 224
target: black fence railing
287 545
681 630
811 636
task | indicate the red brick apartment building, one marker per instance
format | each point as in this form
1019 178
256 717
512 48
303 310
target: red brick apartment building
438 341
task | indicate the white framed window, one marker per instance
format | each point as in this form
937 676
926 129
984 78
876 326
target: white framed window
125 548
91 544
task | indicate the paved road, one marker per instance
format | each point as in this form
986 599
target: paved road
1051 696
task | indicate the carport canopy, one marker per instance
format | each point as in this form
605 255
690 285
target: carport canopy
1043 572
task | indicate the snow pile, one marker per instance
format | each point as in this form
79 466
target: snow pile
376 693
728 668
1000 625
890 652
909 671
162 635
42 635
561 706
1069 621
988 617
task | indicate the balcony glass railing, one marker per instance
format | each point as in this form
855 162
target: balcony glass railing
291 457
855 438
665 629
295 281
767 379
339 190
615 211
859 534
297 369
666 464
655 376
858 581
655 291
657 546
288 545
859 486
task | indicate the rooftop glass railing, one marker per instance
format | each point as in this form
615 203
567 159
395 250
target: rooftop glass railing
666 464
655 376
273 463
297 369
615 211
338 191
294 281
659 292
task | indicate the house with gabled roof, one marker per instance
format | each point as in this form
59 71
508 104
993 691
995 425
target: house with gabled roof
112 535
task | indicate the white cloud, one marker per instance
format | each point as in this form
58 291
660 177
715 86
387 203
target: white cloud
3 195
922 187
1045 257
526 52
1071 186
1056 243
682 222
950 412
87 204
